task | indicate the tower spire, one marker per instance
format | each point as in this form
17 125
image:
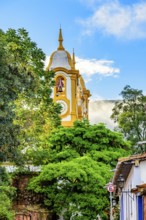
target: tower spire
60 39
73 59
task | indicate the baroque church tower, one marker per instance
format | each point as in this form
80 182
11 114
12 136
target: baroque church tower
69 89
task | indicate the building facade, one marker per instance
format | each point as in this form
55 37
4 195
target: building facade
130 182
69 90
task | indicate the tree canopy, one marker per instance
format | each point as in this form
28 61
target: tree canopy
7 193
76 168
76 161
27 111
130 114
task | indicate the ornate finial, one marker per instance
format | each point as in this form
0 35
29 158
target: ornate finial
73 59
60 39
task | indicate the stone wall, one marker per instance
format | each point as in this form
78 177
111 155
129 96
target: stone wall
28 205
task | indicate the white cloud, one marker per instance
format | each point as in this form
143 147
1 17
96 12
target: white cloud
90 67
112 18
91 3
95 97
46 61
100 112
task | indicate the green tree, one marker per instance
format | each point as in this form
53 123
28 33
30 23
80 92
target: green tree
27 112
26 108
37 116
7 193
8 131
130 114
76 168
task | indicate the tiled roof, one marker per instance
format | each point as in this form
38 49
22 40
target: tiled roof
133 157
124 165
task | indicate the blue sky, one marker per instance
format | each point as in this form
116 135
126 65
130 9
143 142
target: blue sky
108 37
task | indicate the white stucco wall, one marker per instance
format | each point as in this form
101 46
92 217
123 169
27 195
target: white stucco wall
143 171
136 177
129 199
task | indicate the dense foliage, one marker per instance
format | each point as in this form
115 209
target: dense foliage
7 193
76 168
76 161
26 110
130 114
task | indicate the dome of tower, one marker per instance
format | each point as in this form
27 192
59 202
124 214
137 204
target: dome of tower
60 58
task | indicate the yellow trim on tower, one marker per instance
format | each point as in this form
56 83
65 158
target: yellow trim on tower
77 98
